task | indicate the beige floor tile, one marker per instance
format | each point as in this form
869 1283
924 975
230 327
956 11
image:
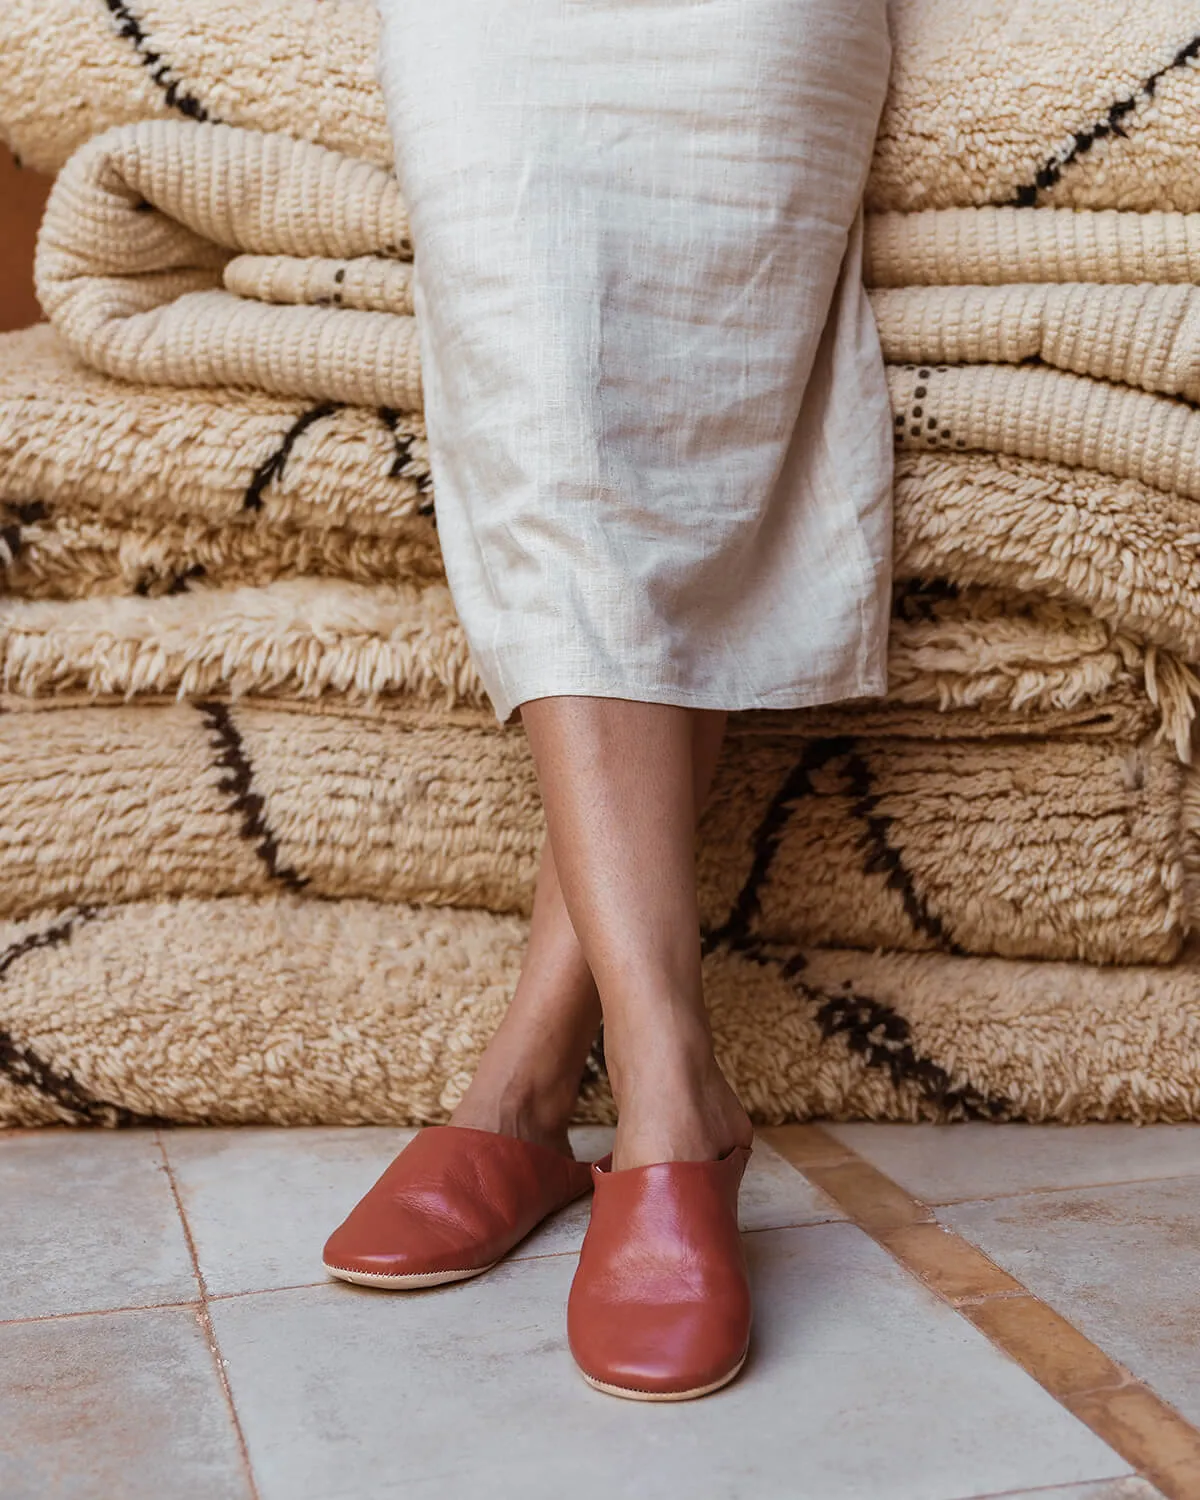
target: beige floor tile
260 1203
115 1406
89 1222
1121 1263
861 1384
953 1163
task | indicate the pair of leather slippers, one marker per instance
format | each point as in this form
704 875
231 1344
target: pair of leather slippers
659 1309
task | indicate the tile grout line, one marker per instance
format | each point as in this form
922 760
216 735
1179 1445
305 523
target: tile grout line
100 1312
205 1318
1052 1489
508 1260
1126 1414
1045 1192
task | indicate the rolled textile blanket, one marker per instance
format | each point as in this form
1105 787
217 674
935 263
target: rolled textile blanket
1142 335
1007 246
306 638
1123 551
1044 414
71 438
1045 334
298 638
977 647
1086 103
1047 846
288 1011
139 229
1123 713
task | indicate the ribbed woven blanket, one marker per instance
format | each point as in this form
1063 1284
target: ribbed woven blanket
1082 103
290 1011
143 222
1046 846
997 247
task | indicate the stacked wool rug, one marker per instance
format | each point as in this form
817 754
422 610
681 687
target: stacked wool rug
266 853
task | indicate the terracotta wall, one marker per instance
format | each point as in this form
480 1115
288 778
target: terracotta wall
22 195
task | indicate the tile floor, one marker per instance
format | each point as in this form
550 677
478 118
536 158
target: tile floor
166 1330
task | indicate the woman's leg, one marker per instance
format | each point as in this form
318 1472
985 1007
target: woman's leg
617 784
528 1079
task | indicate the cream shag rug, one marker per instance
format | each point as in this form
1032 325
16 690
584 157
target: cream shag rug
1083 103
1055 846
108 489
199 545
308 638
285 1010
75 440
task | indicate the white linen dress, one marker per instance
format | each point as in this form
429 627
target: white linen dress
659 432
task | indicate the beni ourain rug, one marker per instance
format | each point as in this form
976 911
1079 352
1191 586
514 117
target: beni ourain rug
288 1010
1064 844
265 855
1079 104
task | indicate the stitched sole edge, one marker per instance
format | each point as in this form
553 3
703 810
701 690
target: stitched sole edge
632 1395
411 1281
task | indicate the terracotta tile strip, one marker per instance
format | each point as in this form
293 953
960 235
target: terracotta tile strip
1127 1415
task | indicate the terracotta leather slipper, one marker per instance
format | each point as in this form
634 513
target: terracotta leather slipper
453 1203
660 1306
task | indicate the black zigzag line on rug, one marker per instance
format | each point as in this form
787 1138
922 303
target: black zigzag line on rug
768 836
919 598
152 584
881 1036
1112 124
24 1068
174 91
883 858
875 1031
244 800
24 513
273 465
390 418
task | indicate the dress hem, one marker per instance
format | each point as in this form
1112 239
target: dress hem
866 684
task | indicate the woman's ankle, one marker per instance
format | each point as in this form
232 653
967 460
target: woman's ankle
673 1113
